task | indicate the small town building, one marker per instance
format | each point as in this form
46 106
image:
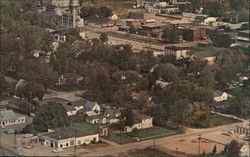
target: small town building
103 130
154 28
67 137
8 117
244 150
103 22
109 116
243 39
146 17
74 106
91 109
178 52
140 122
220 96
194 34
207 55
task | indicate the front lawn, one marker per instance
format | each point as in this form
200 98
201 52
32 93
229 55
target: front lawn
154 132
216 120
87 127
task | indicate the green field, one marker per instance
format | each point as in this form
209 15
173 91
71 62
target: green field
87 127
216 120
119 138
154 132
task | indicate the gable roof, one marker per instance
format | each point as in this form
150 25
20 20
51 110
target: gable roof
90 105
218 93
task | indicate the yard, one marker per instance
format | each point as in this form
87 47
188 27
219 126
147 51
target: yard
216 120
145 134
87 127
154 132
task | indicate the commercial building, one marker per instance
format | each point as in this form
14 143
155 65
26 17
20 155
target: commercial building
8 117
67 137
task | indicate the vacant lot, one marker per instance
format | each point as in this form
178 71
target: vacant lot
149 152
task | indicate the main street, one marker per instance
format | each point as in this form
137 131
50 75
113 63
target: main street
190 133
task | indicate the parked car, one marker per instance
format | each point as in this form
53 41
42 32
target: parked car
57 150
10 131
28 135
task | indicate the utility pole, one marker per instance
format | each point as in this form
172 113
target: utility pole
199 138
176 151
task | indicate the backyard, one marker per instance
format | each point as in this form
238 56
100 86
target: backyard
87 127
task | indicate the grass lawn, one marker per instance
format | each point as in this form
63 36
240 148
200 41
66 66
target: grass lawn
119 138
145 134
150 133
216 120
149 152
87 127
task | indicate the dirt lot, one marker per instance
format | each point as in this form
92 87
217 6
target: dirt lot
190 146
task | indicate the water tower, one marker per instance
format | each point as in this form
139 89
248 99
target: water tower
74 4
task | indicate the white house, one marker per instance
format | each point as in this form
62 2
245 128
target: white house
67 137
91 108
141 122
8 117
109 116
74 106
244 151
220 96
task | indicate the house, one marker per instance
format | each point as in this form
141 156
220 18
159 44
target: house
140 122
91 108
67 137
244 150
57 3
220 96
8 117
208 55
109 116
178 52
74 106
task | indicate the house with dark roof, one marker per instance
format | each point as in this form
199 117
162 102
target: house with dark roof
8 117
90 109
109 116
67 137
220 96
140 122
74 106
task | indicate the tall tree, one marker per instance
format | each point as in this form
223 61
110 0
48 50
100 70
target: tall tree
233 149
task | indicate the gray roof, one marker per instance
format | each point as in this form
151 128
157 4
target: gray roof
65 133
217 93
7 115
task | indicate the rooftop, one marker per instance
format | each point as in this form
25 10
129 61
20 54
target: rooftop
6 115
65 133
206 53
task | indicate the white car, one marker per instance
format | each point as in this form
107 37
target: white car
28 135
57 150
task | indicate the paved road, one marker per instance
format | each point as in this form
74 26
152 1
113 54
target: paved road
191 133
